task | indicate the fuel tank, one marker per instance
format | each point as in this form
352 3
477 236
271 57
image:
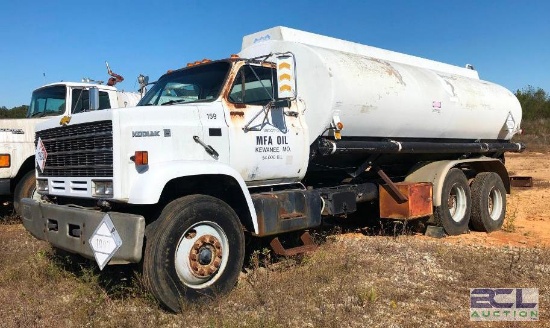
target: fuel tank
380 93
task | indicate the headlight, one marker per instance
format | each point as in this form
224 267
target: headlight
42 185
103 188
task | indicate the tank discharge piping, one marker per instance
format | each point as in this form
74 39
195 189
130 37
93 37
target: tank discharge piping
328 147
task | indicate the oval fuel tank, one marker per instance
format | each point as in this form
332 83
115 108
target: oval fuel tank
379 93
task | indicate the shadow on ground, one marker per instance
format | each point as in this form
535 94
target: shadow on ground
7 214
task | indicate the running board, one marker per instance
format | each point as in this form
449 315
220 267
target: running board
308 246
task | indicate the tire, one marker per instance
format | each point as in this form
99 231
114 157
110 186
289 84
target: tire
488 202
26 188
454 213
195 253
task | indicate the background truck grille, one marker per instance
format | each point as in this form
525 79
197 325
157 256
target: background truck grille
84 150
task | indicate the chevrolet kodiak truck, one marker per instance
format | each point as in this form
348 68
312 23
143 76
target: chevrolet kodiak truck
295 128
17 148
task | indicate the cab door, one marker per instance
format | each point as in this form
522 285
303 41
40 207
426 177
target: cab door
269 144
81 100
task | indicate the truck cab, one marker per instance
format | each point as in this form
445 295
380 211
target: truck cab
233 104
17 135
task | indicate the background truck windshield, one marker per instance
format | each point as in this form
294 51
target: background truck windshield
200 83
48 101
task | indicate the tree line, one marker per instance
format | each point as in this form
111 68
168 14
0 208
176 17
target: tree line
534 101
15 112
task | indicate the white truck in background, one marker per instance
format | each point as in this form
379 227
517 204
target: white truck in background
295 128
60 99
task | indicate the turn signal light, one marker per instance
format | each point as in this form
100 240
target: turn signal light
141 157
339 125
5 160
198 62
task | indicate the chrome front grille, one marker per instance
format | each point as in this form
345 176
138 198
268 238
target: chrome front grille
83 150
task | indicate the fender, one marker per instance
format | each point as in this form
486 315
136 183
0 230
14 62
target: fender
164 172
436 172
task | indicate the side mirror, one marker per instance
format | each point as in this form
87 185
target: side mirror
143 81
286 76
93 94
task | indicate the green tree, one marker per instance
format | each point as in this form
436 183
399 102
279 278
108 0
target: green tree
534 102
15 112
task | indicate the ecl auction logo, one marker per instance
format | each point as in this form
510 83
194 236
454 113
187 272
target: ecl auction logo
504 304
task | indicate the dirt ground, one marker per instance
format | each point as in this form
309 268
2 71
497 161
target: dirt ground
528 210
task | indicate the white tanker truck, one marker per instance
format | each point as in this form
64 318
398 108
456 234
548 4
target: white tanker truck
294 128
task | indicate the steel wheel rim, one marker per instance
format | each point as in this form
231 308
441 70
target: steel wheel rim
457 203
495 204
201 254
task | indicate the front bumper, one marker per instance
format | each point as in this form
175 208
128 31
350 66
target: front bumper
70 228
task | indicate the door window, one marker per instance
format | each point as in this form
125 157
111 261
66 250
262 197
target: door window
253 85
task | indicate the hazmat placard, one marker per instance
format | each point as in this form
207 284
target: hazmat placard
40 154
105 241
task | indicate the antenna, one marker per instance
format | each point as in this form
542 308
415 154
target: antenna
44 74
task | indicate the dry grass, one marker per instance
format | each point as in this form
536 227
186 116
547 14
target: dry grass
353 280
7 214
510 219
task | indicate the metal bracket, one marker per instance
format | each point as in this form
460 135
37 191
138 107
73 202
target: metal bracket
394 191
367 164
308 246
264 110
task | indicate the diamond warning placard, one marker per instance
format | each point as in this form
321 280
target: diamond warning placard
105 241
40 155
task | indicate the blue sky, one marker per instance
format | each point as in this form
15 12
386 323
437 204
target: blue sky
507 41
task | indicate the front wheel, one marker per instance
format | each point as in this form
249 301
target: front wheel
26 188
454 213
196 251
488 202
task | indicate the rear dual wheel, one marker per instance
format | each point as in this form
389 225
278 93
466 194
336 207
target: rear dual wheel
481 204
488 202
196 251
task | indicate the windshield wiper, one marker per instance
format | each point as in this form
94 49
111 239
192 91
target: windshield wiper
173 102
38 114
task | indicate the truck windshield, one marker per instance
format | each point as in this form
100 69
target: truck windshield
200 83
48 101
